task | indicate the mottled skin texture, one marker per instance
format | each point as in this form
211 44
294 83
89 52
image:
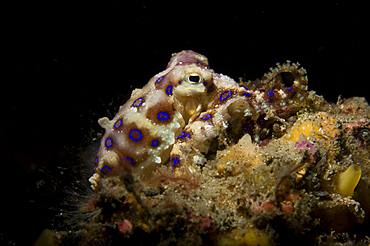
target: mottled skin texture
177 114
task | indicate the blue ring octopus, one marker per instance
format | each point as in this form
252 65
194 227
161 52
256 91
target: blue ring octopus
175 117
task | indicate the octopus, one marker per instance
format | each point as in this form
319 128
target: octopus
179 113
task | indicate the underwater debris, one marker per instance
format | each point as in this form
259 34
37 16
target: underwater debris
196 158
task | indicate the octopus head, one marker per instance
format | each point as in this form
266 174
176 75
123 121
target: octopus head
194 82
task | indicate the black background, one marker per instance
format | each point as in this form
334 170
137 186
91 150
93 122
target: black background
73 62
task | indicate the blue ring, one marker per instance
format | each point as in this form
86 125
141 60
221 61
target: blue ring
289 89
206 117
135 139
271 93
102 170
175 161
132 162
111 143
180 82
169 90
182 135
134 104
205 83
155 142
161 117
222 96
96 161
159 79
248 94
263 121
120 124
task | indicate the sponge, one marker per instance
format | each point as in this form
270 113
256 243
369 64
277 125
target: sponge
250 237
348 180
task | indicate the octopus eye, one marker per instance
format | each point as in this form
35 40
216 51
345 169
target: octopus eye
194 78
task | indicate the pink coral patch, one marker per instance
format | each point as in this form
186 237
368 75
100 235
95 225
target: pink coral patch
124 227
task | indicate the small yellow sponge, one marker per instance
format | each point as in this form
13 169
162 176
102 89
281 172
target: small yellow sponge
250 237
348 180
